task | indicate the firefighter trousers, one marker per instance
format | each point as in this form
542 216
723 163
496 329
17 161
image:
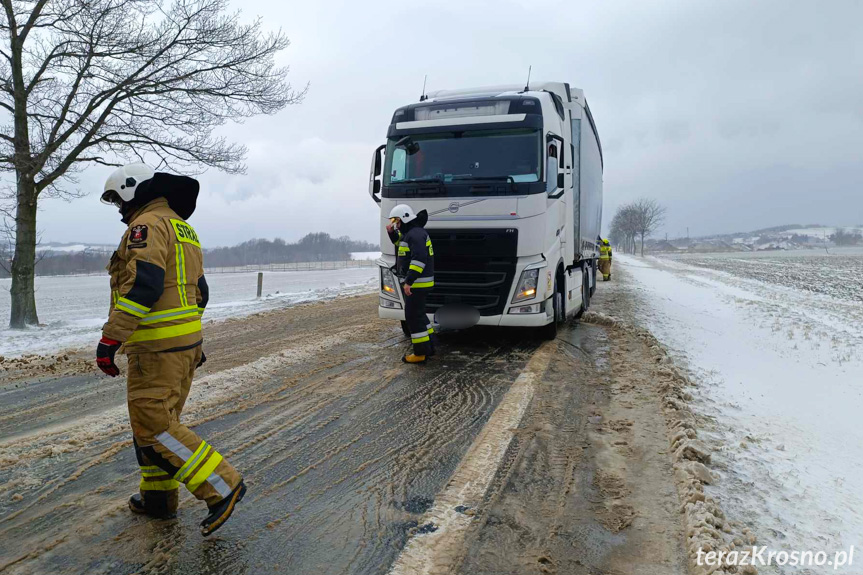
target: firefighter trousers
605 268
418 322
168 452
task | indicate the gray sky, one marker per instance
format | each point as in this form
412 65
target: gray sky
734 114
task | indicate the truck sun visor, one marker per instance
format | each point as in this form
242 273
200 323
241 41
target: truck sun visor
462 110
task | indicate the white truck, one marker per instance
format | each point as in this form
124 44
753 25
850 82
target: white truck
511 178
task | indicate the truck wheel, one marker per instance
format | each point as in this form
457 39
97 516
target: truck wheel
549 332
406 330
585 294
594 267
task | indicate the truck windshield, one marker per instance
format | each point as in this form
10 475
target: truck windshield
508 155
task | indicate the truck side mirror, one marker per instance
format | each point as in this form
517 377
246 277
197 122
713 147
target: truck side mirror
375 181
554 175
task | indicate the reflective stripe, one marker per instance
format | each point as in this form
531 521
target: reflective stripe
423 282
420 333
150 468
184 471
181 274
170 314
419 339
174 445
165 332
416 268
418 263
166 485
153 473
219 484
129 306
205 471
200 311
431 330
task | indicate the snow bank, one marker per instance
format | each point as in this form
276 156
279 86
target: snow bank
707 528
778 396
73 308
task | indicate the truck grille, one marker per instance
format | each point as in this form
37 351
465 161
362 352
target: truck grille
474 268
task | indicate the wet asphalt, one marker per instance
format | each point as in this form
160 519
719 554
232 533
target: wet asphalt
340 462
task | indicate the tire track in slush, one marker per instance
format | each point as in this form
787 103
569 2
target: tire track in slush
367 463
65 508
117 428
440 548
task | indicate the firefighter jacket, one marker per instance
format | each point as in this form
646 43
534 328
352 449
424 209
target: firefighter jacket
604 252
415 254
158 289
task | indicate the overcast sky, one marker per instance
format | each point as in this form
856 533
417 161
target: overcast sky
736 115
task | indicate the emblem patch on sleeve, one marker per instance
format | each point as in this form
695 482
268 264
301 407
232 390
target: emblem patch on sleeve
138 235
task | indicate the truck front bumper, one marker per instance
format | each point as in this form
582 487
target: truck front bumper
506 320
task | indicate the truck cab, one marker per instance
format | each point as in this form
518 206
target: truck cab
511 179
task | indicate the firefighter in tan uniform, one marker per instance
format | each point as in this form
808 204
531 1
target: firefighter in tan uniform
605 260
158 294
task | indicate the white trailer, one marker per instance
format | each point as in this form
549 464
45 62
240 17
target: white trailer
512 180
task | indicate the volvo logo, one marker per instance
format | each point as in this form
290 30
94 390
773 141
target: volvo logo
454 207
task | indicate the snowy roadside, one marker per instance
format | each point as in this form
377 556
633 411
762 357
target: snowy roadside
73 308
778 372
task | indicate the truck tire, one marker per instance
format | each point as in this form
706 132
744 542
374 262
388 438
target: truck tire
585 304
594 267
549 332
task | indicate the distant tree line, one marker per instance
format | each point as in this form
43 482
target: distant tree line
635 221
313 247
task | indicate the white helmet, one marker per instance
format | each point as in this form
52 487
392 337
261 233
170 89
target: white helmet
403 212
122 184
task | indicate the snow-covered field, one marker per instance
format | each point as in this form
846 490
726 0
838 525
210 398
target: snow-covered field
73 308
365 255
775 343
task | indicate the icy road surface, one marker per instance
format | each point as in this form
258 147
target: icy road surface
504 455
774 342
73 308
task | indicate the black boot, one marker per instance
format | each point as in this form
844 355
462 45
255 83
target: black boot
221 511
154 507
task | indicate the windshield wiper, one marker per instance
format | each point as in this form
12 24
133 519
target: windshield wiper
435 180
508 179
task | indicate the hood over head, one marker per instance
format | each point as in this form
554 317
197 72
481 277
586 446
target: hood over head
420 221
180 191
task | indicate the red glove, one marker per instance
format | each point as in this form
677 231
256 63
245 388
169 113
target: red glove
105 352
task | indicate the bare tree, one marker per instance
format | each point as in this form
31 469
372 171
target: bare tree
112 81
649 216
624 228
844 237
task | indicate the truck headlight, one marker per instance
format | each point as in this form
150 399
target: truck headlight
388 283
526 286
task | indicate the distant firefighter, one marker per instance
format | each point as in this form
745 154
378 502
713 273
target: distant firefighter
605 260
158 294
